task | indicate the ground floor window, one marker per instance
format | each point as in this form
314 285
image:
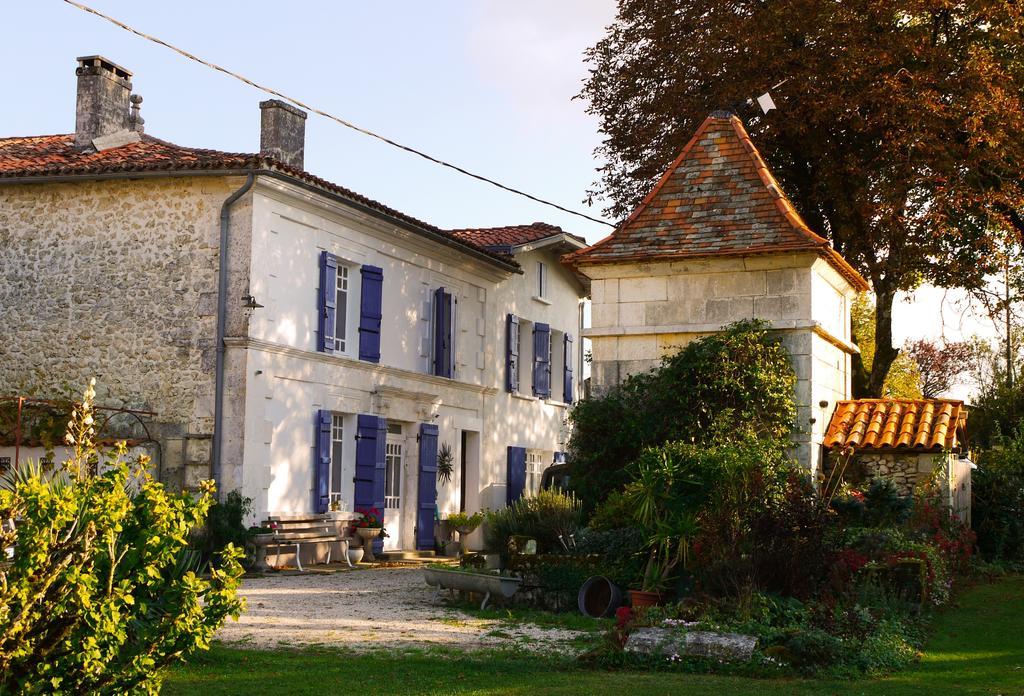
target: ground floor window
534 470
393 472
337 445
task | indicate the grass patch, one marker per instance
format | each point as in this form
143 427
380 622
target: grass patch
976 648
569 621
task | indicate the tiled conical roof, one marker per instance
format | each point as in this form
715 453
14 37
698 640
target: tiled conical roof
716 199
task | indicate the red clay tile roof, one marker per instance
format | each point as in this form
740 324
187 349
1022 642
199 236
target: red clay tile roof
897 424
717 198
55 155
510 235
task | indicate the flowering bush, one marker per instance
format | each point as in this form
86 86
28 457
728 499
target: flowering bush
371 519
103 591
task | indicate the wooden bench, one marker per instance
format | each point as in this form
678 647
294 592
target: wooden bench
296 530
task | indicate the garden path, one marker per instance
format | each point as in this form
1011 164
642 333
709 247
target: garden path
371 608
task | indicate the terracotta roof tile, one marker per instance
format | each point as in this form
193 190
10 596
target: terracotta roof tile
897 424
55 155
510 235
717 198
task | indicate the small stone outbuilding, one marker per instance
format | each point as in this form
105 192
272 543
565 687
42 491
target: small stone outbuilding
908 441
714 242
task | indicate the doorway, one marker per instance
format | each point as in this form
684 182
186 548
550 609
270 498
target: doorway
394 472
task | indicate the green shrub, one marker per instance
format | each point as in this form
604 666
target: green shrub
726 387
103 591
998 509
887 648
225 524
550 517
811 649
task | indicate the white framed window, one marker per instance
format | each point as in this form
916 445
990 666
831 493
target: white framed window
393 467
337 450
542 280
534 471
341 313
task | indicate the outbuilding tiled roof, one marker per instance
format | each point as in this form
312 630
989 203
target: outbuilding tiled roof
510 235
897 424
47 156
718 198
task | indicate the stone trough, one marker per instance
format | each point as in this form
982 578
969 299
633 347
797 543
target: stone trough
481 583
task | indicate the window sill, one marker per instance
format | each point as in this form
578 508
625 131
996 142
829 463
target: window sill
524 397
542 300
555 402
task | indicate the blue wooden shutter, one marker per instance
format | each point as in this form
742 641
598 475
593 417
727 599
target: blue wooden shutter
567 373
426 501
370 312
371 448
541 360
327 305
322 466
516 474
512 354
444 333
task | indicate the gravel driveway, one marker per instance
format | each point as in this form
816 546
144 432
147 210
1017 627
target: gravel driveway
371 608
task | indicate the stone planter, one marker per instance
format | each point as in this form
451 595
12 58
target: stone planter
355 555
368 534
259 542
481 583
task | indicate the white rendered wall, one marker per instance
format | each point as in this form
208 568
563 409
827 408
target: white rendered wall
288 380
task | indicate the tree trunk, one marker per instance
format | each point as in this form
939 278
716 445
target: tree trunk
869 384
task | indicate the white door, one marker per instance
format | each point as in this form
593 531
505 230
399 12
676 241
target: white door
394 471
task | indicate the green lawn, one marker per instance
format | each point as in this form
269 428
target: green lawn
977 648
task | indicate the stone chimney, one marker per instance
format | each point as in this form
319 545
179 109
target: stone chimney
102 107
282 132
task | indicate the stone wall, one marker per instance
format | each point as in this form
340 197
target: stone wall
644 311
118 280
905 469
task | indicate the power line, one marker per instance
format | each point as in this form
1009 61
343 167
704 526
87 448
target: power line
347 124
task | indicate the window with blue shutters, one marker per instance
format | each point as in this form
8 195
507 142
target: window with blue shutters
445 316
512 354
541 360
371 305
426 500
335 305
567 385
322 461
516 474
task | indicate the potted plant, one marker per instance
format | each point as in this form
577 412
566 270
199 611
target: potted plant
663 496
335 511
464 524
368 527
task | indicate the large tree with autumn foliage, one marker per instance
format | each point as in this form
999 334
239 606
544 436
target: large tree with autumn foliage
899 132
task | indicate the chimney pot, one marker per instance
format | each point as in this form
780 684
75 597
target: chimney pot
282 132
102 105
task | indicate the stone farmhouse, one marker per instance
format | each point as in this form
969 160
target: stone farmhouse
299 342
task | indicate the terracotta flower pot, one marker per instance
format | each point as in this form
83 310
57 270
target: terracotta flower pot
640 598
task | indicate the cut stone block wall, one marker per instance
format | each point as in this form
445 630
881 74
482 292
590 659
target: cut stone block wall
643 312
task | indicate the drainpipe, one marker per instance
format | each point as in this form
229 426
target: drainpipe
222 310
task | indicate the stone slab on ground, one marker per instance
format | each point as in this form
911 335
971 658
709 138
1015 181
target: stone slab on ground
731 647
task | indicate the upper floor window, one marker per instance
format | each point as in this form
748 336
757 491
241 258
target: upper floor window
341 313
340 317
542 280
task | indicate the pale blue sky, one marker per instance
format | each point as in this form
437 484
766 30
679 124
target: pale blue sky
486 84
